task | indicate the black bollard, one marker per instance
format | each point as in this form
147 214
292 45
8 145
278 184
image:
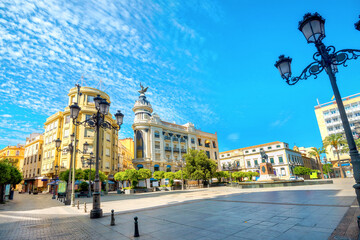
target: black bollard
136 233
112 223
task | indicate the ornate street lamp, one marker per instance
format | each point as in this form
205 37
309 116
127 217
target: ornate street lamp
98 121
182 163
88 162
56 169
357 25
326 58
70 196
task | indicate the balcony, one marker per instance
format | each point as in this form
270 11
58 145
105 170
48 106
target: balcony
168 149
167 138
176 149
183 150
175 139
182 140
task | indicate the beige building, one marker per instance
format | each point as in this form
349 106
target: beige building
32 163
329 121
160 145
125 154
328 118
283 159
61 126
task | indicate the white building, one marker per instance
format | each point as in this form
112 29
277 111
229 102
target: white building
160 145
283 159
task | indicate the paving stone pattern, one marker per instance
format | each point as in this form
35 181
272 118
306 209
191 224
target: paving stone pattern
311 212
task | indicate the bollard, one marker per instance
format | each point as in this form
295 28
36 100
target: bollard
78 205
112 223
84 206
136 233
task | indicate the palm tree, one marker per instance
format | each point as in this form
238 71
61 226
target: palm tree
316 152
336 141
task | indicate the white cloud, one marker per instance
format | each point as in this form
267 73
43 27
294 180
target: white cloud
233 137
6 115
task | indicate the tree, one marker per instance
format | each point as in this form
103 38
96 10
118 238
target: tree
132 175
199 166
170 176
336 141
5 177
299 170
15 176
178 174
221 174
158 175
64 176
327 168
84 186
144 174
316 152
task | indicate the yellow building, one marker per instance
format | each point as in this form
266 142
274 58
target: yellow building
125 154
32 163
329 121
60 126
15 154
160 145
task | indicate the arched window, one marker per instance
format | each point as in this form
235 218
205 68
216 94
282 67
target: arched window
139 145
156 134
168 168
156 167
139 166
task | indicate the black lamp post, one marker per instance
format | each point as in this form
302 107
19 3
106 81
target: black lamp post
56 169
181 163
88 162
326 58
97 121
70 148
230 167
357 25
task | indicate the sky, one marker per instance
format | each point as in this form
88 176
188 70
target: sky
207 62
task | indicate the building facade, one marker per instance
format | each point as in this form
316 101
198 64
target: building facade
60 126
160 145
15 155
283 159
125 154
329 121
32 163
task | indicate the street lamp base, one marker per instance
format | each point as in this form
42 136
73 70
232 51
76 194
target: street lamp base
53 197
96 213
67 202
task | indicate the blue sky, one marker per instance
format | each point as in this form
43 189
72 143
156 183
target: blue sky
206 62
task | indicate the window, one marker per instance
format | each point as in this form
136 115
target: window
215 155
328 121
214 144
263 160
228 154
256 162
108 137
157 134
330 129
157 145
354 105
357 114
269 147
66 133
281 160
335 119
207 143
193 141
8 152
107 152
248 164
278 146
253 150
89 132
272 160
326 113
67 119
90 99
246 151
283 172
199 141
208 154
107 165
17 153
333 111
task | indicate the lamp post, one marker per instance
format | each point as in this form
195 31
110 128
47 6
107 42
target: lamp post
97 121
70 184
56 169
230 167
181 163
326 58
88 162
357 25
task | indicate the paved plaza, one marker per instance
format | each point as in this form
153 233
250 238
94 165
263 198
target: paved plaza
302 212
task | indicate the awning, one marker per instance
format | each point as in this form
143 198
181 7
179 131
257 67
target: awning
44 179
77 182
153 179
111 182
53 182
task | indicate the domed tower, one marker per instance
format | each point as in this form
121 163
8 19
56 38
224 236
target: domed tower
142 107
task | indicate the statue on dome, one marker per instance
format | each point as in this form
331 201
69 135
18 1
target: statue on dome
143 90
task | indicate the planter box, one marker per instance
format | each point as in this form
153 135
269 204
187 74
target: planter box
129 191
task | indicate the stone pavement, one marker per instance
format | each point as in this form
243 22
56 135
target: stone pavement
302 212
